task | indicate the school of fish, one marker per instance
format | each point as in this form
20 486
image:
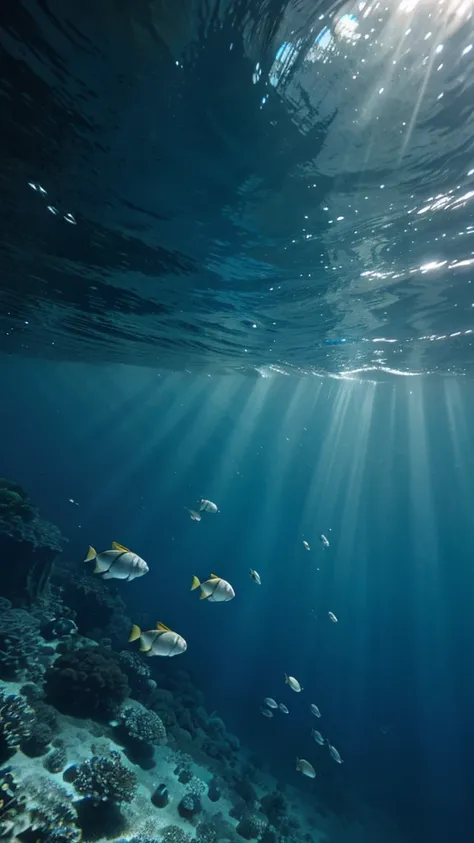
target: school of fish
123 564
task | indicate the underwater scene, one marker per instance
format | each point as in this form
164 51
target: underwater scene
237 421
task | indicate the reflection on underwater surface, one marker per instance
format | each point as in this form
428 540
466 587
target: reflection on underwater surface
239 186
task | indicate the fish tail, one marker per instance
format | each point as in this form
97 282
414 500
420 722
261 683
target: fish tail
135 633
91 554
195 583
286 679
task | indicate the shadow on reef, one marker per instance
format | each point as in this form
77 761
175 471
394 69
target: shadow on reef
62 637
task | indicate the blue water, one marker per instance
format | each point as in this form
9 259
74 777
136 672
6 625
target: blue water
383 471
236 263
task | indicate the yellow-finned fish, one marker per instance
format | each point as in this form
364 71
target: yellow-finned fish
161 641
215 589
117 564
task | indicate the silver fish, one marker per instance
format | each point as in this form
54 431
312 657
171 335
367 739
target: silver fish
324 541
332 617
283 708
293 683
207 506
334 753
318 737
270 703
306 545
266 712
215 589
306 768
255 576
315 710
161 641
194 516
117 564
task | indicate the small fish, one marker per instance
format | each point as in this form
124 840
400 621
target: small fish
315 710
255 576
270 703
266 712
283 708
334 753
332 617
194 516
293 683
117 564
207 506
306 768
215 589
58 628
306 545
323 540
318 737
161 641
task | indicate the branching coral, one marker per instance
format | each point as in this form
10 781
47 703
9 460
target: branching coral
174 834
105 778
86 682
38 806
17 720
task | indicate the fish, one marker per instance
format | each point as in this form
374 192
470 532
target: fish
306 545
215 589
266 712
207 506
283 708
255 576
161 641
306 768
323 540
315 710
117 564
293 683
270 703
318 737
194 516
332 617
334 753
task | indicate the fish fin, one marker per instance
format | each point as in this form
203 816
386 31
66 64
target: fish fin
214 577
108 575
162 627
150 652
286 679
203 596
91 554
117 546
144 649
135 633
195 583
97 569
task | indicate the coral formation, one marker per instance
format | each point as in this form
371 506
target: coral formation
16 722
141 725
174 834
189 806
86 682
32 542
105 778
19 633
37 806
160 797
56 761
251 826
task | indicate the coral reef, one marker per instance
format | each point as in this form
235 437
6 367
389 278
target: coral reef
99 610
141 725
174 834
105 778
19 646
32 542
251 826
160 797
17 720
138 674
56 761
37 806
189 806
86 682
